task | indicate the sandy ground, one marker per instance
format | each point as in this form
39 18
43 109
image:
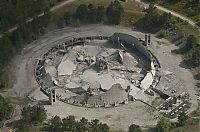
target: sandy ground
118 117
182 80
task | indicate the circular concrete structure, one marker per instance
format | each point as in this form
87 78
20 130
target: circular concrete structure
98 71
41 55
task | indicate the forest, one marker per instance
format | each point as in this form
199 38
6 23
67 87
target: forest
16 12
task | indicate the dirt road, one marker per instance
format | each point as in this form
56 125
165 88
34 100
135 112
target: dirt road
176 15
41 14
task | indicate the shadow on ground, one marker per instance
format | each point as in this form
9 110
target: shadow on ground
197 76
187 64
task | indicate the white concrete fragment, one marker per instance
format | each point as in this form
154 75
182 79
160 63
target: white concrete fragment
66 67
147 81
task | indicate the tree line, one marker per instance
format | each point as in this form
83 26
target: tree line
192 50
92 14
69 124
6 110
30 116
36 115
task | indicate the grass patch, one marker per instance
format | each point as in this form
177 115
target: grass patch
129 18
188 29
157 102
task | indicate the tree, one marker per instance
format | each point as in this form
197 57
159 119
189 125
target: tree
26 115
134 128
164 125
100 14
92 13
96 126
60 23
38 114
82 12
21 127
69 124
67 18
82 125
114 12
195 56
103 128
55 123
33 114
182 118
154 21
191 42
5 109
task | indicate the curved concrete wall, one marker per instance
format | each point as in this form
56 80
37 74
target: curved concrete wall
133 43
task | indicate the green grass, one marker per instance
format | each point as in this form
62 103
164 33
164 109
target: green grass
157 102
188 29
132 11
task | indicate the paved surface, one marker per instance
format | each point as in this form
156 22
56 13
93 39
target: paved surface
39 15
